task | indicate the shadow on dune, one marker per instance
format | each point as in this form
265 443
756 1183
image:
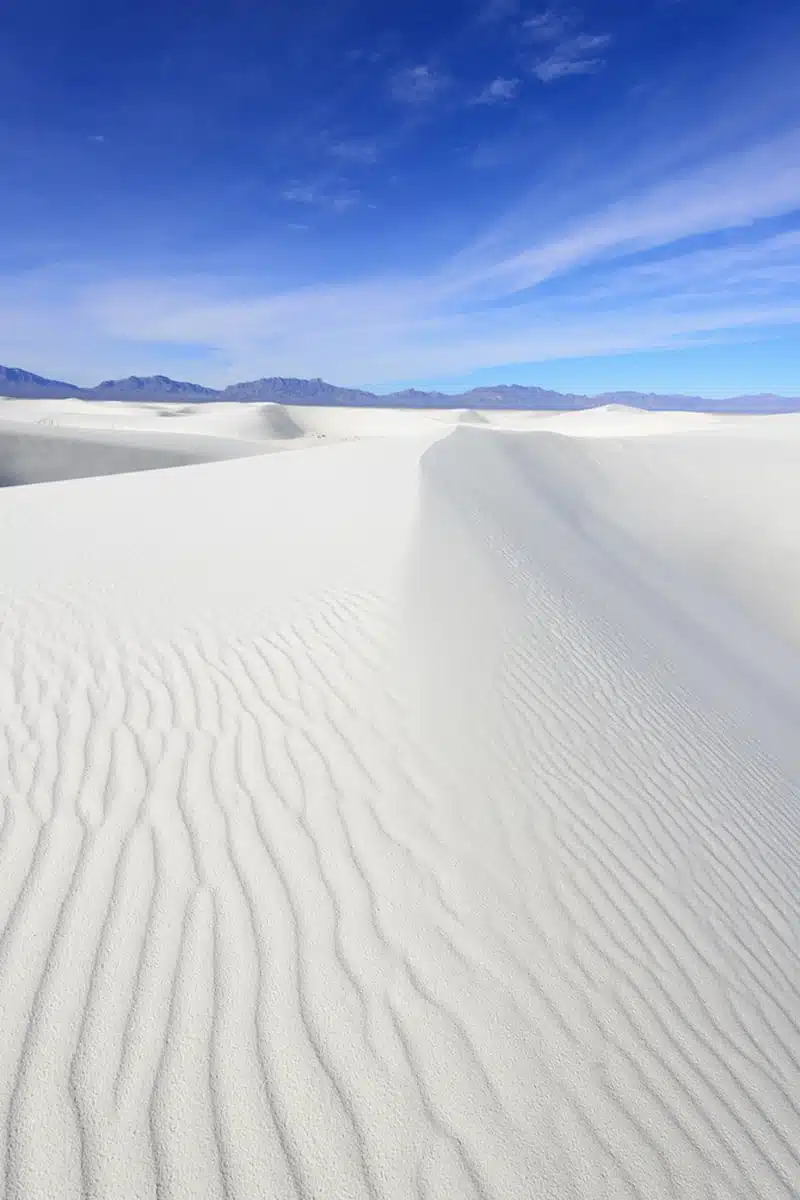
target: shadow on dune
616 738
32 456
519 539
473 417
279 423
496 510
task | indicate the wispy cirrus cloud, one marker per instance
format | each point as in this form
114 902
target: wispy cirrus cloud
545 26
499 91
570 50
687 237
578 55
729 191
338 197
358 151
650 270
417 85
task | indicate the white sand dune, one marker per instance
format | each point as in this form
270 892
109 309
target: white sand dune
228 419
414 817
44 441
284 422
43 454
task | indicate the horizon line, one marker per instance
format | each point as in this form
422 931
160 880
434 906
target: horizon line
413 390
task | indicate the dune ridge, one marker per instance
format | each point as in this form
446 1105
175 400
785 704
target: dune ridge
414 817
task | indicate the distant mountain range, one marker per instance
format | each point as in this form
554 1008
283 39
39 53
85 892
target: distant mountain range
19 384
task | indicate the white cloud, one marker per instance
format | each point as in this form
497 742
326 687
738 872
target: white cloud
416 85
634 267
493 11
732 190
497 91
387 328
339 197
579 55
363 54
355 150
546 26
301 194
394 329
454 320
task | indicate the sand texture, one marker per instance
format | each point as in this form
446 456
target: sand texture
412 815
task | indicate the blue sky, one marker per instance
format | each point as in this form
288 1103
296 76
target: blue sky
588 197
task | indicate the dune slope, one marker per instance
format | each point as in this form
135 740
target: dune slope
412 817
36 455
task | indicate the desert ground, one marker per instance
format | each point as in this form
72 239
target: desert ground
398 804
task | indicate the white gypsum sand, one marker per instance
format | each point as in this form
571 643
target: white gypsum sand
415 816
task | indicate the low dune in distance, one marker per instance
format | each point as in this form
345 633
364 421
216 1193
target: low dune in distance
405 805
